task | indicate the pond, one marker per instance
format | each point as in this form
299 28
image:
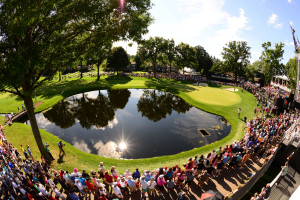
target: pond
131 124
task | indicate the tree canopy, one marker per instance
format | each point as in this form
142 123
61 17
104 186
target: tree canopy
151 51
236 56
118 59
41 37
291 70
271 60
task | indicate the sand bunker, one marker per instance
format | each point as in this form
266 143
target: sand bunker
231 89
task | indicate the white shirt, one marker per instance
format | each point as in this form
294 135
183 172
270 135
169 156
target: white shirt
144 184
56 191
153 184
42 190
117 190
78 184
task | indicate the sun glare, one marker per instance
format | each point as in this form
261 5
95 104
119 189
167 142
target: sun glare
122 146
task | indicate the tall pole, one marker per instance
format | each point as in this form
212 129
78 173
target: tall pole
297 97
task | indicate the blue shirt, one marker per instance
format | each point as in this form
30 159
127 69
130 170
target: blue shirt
74 196
131 182
82 181
225 160
136 174
147 177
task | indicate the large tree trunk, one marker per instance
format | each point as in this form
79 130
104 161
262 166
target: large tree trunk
170 68
35 129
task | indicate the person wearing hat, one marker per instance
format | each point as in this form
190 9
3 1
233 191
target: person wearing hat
131 184
123 185
117 191
160 182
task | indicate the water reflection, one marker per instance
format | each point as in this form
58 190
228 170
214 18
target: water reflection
156 105
109 123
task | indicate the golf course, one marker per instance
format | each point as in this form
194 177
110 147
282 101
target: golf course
213 98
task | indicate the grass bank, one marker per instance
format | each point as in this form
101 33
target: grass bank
211 99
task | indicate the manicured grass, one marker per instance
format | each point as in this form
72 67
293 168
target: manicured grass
210 99
2 120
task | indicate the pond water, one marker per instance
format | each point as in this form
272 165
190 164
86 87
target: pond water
130 124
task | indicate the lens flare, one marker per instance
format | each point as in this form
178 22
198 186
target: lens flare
122 4
122 146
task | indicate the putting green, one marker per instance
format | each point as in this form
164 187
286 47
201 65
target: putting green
214 96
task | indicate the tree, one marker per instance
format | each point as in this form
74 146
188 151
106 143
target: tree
204 60
218 66
253 69
236 57
170 52
39 37
291 69
186 56
151 51
271 60
118 59
97 53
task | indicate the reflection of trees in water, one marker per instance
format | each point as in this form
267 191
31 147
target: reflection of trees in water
118 98
89 112
61 115
98 112
155 105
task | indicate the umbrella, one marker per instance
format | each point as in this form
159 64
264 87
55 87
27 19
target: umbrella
212 195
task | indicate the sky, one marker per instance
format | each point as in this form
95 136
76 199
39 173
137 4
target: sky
214 23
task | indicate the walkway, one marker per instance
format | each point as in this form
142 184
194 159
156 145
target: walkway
286 186
20 114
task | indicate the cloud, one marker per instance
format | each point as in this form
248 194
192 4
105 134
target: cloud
278 26
288 43
273 19
291 23
290 1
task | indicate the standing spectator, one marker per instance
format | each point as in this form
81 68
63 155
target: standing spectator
239 112
284 170
61 150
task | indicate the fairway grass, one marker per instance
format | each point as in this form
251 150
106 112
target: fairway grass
210 99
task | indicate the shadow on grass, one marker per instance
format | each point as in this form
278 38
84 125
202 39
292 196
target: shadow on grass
170 86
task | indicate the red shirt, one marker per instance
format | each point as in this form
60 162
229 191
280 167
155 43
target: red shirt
108 178
90 185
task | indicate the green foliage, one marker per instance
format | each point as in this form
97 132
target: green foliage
170 52
118 59
236 56
151 51
186 56
291 69
271 60
204 60
218 66
252 69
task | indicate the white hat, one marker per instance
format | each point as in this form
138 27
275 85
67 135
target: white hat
115 183
161 176
129 177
